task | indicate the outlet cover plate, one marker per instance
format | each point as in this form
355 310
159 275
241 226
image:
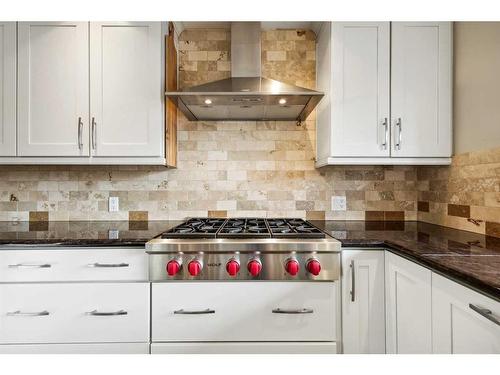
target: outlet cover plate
114 204
339 203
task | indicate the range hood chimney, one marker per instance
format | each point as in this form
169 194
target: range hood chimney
246 95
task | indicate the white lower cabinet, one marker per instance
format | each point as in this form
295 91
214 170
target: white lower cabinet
408 306
463 321
244 311
74 313
363 311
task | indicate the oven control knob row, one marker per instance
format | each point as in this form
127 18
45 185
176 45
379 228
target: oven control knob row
194 267
233 267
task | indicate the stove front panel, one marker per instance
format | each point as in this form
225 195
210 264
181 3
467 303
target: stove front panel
213 266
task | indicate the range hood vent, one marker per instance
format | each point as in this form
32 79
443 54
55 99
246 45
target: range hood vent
246 95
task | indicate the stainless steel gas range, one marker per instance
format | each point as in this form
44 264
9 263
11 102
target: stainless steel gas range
244 286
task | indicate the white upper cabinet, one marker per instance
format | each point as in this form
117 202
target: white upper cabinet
360 80
53 89
463 321
126 89
421 80
7 88
363 311
408 307
387 93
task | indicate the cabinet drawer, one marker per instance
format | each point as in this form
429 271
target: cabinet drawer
73 265
74 313
244 311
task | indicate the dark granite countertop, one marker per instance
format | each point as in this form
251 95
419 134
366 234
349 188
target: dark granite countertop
82 233
469 258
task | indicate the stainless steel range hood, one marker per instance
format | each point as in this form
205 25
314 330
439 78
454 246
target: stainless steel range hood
246 95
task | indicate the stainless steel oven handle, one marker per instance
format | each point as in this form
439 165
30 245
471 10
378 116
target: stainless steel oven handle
488 314
20 313
105 313
194 312
30 265
353 281
292 311
108 265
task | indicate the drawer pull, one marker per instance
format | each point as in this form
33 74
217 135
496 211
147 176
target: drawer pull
30 265
488 314
105 313
292 311
107 265
194 312
20 313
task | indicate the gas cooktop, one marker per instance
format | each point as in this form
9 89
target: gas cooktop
250 228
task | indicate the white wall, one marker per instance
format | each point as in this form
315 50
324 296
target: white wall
476 86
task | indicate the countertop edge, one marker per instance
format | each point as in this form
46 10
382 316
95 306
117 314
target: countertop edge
457 276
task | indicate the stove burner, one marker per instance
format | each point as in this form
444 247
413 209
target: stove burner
281 230
184 230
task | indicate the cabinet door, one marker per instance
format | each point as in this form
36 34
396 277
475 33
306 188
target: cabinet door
53 94
460 320
421 70
7 88
360 89
363 312
408 306
126 88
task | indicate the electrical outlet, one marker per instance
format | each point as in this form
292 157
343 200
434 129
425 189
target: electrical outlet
114 204
339 203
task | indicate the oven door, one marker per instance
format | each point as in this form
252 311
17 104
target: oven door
244 311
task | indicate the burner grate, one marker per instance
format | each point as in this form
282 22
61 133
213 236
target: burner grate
244 228
195 228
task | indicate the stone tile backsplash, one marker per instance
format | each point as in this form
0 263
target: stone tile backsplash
465 195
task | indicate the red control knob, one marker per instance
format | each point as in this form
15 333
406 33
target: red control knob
232 267
173 267
313 266
254 267
292 267
194 268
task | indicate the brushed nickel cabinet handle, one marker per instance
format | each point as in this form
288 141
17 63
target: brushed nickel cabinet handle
80 133
292 311
397 145
30 265
107 265
20 313
353 281
194 312
105 313
94 139
385 124
488 314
